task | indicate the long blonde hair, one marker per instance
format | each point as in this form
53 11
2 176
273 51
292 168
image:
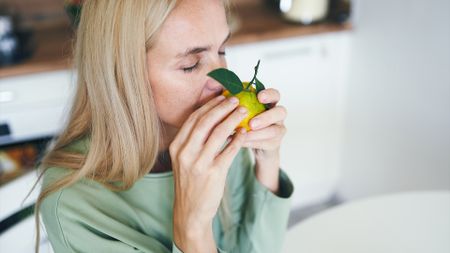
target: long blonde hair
113 105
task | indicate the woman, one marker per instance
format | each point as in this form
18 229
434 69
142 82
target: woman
146 162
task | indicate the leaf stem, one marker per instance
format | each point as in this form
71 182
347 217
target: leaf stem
254 76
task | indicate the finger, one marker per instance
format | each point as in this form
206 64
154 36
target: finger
220 133
207 122
225 158
269 95
273 131
269 117
186 128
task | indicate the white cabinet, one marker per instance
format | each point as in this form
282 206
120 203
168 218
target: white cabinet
35 105
12 200
32 106
310 73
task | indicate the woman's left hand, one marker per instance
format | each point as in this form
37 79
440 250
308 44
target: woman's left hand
267 127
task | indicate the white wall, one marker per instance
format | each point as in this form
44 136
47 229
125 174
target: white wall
397 130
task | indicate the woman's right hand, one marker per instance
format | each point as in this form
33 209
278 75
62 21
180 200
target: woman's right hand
200 169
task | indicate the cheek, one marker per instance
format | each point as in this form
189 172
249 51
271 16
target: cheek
175 99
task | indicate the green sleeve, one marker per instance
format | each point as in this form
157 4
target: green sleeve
75 225
258 217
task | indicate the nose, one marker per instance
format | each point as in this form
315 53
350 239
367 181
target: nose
214 87
211 84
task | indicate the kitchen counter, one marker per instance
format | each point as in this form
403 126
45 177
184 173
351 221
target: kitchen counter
254 22
53 51
259 23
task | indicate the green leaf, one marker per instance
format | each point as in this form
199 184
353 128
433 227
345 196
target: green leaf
228 79
259 86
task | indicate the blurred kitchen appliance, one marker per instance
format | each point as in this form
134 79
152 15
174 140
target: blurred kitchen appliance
339 11
15 43
304 11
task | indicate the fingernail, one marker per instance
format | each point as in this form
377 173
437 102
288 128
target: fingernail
262 97
242 110
221 97
254 123
234 100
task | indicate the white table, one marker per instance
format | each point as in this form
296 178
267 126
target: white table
409 222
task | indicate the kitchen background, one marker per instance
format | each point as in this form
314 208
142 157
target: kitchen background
368 97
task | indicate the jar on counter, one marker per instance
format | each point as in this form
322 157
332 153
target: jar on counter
9 44
304 11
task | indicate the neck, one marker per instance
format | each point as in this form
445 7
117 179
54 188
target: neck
163 162
168 134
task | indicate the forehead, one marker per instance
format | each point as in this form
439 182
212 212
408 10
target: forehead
193 23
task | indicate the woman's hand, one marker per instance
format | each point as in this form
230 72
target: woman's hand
265 138
200 169
268 127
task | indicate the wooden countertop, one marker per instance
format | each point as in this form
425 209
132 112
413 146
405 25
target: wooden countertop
259 23
255 22
52 52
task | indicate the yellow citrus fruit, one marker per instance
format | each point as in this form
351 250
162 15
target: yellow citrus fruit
249 100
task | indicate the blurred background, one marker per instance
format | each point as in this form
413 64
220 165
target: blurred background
366 85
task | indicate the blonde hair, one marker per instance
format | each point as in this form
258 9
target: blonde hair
113 105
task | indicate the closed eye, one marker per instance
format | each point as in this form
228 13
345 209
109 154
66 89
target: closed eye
191 68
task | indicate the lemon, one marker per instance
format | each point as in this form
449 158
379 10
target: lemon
249 100
247 93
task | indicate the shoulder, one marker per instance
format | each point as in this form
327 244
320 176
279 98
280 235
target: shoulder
84 194
57 209
85 207
83 202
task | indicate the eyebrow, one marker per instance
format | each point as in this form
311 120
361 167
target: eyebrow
197 50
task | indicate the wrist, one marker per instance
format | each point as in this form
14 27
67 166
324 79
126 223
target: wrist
267 173
270 156
267 162
194 238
